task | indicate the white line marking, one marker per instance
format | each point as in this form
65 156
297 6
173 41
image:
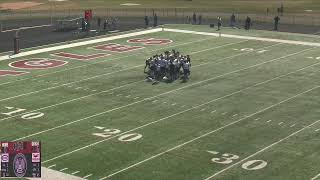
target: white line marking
99 127
164 102
269 121
213 111
203 109
257 119
93 90
211 132
154 101
317 130
87 176
245 37
183 106
315 177
111 93
136 98
173 104
280 123
262 150
63 169
76 172
128 96
119 94
224 113
51 166
234 115
293 125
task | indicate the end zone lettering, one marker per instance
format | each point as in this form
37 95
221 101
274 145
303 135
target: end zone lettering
150 41
37 63
117 47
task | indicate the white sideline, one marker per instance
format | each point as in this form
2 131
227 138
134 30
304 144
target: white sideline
77 44
245 37
315 177
49 174
98 142
211 132
262 150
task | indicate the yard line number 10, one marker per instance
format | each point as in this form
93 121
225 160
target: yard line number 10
13 111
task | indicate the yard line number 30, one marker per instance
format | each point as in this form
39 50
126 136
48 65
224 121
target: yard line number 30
228 158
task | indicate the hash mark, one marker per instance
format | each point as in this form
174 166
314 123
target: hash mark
213 152
63 169
257 119
119 94
224 113
173 104
128 96
280 123
203 109
269 121
292 125
317 130
213 111
235 115
75 172
111 93
183 106
52 166
94 90
87 176
136 97
154 101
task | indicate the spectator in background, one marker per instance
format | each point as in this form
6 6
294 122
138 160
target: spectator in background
155 20
200 19
247 23
105 25
219 23
232 20
276 23
99 22
281 9
146 21
194 18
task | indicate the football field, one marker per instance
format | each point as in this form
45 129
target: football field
249 111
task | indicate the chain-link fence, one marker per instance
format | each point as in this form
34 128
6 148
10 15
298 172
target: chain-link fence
10 19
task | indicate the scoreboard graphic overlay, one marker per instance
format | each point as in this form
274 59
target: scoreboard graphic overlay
20 159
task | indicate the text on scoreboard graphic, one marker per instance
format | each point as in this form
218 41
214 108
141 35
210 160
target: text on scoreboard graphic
20 159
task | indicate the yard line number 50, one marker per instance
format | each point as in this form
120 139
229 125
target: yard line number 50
228 158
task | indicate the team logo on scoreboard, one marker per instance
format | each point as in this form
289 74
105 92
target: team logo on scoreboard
20 165
5 157
35 157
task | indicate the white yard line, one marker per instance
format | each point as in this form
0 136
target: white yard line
262 150
63 169
209 133
315 177
245 37
103 61
153 122
51 166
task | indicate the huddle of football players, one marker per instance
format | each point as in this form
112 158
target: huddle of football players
168 67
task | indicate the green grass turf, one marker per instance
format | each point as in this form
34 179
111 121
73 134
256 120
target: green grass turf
263 94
